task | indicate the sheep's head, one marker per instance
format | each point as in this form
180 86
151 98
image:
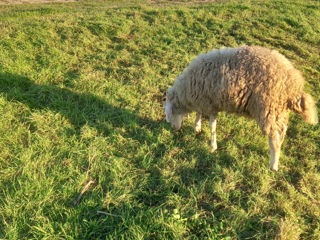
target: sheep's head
174 115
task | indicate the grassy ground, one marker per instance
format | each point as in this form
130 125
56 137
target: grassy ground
80 99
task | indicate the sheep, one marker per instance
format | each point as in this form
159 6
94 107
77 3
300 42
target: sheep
250 80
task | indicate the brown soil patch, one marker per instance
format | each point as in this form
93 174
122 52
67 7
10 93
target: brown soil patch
33 1
157 2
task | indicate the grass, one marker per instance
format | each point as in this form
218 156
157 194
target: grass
80 99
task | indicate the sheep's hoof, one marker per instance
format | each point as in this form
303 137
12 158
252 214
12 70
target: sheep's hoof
274 169
197 130
213 148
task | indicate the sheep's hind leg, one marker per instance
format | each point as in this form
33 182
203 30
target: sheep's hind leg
197 123
213 125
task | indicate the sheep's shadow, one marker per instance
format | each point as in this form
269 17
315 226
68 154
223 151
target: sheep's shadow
78 108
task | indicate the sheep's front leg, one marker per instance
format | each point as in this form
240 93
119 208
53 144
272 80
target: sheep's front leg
197 123
275 146
275 142
213 125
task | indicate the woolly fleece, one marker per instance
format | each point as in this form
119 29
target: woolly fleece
250 80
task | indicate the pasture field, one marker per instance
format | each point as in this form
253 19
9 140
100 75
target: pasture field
81 85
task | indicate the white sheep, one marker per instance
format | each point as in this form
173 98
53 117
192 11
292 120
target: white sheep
249 80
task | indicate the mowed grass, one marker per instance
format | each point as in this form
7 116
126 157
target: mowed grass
80 100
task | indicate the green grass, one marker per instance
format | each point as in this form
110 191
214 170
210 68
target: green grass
80 99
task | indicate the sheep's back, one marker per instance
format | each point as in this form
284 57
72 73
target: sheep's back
269 78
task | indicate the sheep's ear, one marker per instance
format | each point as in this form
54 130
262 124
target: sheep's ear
170 94
168 109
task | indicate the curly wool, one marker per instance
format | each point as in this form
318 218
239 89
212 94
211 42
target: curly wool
249 80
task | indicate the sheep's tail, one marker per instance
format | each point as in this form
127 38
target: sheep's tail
305 106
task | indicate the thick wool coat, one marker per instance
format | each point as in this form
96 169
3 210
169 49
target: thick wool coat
249 80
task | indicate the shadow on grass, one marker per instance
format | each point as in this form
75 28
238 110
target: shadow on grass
79 108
